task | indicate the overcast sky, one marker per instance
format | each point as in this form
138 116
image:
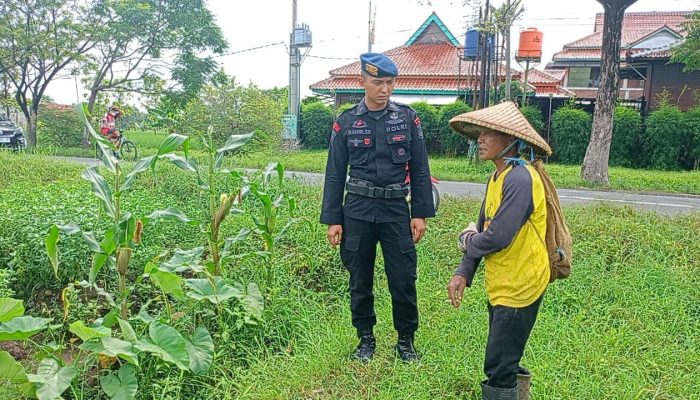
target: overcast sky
339 29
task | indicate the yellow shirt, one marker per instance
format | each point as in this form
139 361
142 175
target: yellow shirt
517 274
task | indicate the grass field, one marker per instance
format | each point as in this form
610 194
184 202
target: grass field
626 325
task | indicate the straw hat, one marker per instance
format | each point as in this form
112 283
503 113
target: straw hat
504 117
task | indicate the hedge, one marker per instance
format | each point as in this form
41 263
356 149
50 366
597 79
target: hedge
316 123
663 138
429 123
571 131
58 127
625 149
451 142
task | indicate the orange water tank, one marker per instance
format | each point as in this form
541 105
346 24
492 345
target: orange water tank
530 47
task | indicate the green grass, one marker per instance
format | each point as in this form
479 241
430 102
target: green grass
462 169
626 325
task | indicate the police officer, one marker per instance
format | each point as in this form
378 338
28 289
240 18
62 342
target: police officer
380 142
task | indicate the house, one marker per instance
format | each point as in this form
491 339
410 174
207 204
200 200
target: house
647 38
432 68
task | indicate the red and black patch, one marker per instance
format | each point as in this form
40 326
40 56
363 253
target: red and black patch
359 124
398 138
416 121
336 126
368 141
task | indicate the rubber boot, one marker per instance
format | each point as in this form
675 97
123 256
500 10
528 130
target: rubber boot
493 393
365 349
405 350
524 377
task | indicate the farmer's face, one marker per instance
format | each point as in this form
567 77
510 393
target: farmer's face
491 143
377 91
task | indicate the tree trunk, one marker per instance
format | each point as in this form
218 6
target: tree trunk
506 37
91 106
31 125
595 163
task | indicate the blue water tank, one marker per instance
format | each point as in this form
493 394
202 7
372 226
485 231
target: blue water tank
471 44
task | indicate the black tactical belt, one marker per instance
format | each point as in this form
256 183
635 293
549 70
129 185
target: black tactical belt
367 189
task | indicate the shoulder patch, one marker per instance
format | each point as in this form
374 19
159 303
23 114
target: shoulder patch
336 126
416 120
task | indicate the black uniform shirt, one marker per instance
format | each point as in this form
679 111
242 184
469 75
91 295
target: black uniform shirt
377 145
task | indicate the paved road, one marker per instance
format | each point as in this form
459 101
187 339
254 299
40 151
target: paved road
669 205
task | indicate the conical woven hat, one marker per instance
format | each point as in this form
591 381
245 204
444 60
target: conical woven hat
504 117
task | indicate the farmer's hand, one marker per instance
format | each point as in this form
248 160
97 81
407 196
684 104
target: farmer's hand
455 290
462 237
335 234
417 229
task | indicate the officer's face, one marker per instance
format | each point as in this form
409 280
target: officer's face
491 143
377 90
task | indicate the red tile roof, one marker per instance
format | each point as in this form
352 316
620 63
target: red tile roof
537 76
635 27
424 60
402 83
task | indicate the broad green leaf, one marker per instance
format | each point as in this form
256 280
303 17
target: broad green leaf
242 235
171 143
200 350
183 260
10 308
270 171
253 300
21 328
86 333
168 282
113 347
171 213
10 370
121 386
232 143
101 190
141 166
52 249
93 244
187 164
202 289
128 332
166 343
51 380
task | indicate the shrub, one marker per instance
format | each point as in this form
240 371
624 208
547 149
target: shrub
316 123
452 142
533 114
343 107
625 148
429 123
571 130
663 138
691 149
59 127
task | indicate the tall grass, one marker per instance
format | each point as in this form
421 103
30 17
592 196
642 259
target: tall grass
626 325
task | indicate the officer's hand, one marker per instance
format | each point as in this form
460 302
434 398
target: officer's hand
455 290
417 229
335 234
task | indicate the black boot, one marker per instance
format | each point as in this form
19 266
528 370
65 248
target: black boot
494 393
366 347
405 350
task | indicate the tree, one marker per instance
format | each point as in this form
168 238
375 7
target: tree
38 40
688 52
140 35
504 17
595 163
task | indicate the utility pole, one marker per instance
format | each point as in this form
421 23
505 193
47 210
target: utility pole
507 55
298 39
370 31
484 59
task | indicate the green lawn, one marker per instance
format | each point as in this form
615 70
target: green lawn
462 169
626 325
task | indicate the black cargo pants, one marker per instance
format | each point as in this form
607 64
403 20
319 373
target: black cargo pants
509 330
358 250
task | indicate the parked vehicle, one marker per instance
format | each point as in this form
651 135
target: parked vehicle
11 135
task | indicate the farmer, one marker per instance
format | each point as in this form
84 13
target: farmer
509 237
376 139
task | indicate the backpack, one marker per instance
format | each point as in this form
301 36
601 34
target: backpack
558 239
